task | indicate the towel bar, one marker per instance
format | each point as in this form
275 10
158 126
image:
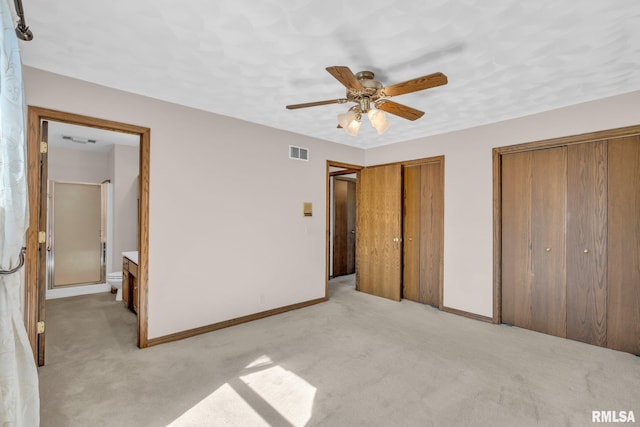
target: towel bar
20 264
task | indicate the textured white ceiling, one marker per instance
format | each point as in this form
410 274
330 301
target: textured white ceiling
250 58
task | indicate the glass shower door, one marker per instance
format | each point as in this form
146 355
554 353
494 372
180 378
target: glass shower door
77 234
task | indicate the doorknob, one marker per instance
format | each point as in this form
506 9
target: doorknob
353 231
586 251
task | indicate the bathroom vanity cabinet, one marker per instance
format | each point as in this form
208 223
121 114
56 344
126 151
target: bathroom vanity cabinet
130 284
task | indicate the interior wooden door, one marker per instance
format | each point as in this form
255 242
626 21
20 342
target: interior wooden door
533 242
411 233
587 242
43 247
344 191
423 232
378 241
623 292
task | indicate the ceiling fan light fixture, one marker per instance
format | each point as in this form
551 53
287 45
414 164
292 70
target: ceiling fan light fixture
350 122
378 120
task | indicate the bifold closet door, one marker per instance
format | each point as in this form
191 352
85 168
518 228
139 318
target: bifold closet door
587 242
533 240
623 293
378 241
423 232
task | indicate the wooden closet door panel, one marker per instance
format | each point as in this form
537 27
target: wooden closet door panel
623 252
517 266
411 233
431 232
548 228
379 235
586 242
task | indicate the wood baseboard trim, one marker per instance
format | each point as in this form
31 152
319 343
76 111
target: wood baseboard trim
467 314
231 322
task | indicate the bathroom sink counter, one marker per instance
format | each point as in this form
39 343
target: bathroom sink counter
132 255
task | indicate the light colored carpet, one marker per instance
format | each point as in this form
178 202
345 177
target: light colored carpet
356 360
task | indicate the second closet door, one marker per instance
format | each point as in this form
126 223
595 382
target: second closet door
423 233
587 242
534 187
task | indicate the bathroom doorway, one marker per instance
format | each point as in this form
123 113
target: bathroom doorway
90 157
92 206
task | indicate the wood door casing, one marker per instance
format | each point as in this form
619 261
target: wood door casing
587 242
378 246
423 232
623 232
533 245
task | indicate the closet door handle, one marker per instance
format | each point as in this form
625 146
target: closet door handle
586 251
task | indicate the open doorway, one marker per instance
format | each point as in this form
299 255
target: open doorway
92 208
342 187
38 244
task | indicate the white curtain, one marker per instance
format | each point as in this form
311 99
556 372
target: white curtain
19 399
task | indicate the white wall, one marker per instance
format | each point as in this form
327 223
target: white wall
468 238
69 165
227 235
124 170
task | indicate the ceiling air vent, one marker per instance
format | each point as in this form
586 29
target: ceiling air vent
298 153
79 140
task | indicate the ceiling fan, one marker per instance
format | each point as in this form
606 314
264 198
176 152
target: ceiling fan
372 98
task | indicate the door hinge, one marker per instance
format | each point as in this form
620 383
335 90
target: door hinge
44 147
40 327
42 237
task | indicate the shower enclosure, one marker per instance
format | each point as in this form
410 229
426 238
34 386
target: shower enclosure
77 235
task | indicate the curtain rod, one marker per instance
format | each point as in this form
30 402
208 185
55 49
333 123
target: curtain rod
22 30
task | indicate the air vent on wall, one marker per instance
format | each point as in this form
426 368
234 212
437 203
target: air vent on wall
298 153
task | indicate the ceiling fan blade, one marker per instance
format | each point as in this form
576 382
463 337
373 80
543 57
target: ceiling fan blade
414 85
399 109
314 104
345 76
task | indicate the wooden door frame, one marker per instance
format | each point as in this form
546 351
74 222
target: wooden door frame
348 169
497 193
32 279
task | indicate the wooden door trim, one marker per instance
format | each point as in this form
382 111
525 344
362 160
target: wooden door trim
415 162
351 169
35 116
497 154
343 172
